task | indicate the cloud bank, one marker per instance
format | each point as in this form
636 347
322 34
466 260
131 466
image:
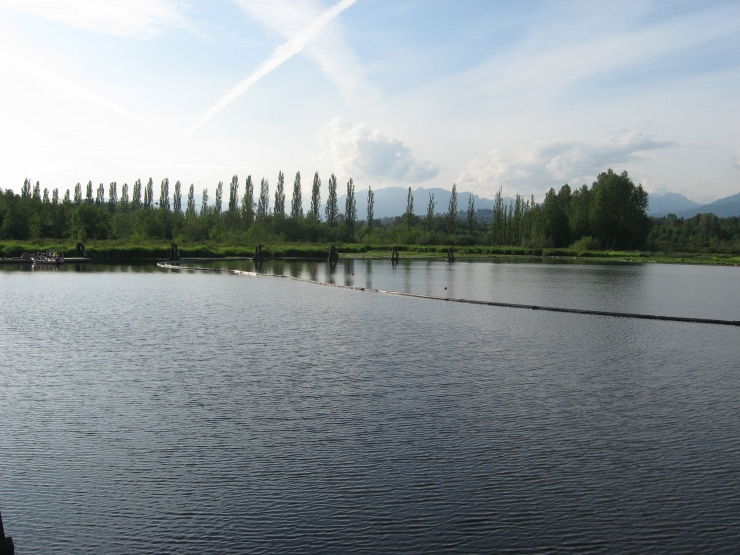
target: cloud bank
123 18
551 164
361 152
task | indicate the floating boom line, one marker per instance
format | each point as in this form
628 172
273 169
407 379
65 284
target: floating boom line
633 315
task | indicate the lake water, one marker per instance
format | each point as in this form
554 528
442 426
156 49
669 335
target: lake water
150 411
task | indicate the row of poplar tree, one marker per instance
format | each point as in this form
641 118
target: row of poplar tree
609 214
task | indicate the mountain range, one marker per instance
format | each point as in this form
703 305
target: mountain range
391 202
673 203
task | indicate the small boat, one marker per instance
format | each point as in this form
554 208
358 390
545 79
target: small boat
47 258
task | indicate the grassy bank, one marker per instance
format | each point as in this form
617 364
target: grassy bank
114 252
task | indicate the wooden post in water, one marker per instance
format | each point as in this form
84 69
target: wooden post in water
6 544
333 257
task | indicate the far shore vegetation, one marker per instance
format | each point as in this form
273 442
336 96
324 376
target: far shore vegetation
606 221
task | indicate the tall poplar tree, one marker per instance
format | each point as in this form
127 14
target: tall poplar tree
370 206
136 198
78 193
315 198
89 192
248 202
409 214
279 206
471 213
112 194
204 203
219 198
164 194
296 204
350 206
331 202
233 198
177 199
124 195
149 193
431 206
263 205
190 211
452 211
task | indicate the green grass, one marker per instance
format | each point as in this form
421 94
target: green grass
117 251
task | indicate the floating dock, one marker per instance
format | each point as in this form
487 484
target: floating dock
67 260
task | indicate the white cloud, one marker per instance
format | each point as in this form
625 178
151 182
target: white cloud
555 163
361 152
123 18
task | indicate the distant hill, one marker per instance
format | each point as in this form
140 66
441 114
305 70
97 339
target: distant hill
669 203
391 201
722 208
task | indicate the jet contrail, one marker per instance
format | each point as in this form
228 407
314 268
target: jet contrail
66 84
280 55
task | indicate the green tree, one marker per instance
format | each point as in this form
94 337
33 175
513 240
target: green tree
452 211
112 195
618 211
408 215
219 198
331 203
136 197
554 218
248 202
263 205
177 199
190 211
370 206
350 206
315 198
279 205
149 194
164 194
431 207
233 195
204 203
296 205
471 213
26 189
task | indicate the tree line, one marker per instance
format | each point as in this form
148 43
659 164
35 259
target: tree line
609 214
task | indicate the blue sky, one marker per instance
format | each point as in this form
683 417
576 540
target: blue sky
486 94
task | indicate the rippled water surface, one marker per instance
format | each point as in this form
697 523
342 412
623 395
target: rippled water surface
190 412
